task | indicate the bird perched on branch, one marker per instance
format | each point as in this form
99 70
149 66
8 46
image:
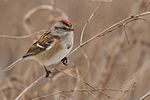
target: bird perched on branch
52 47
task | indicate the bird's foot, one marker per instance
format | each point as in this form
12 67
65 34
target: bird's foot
48 72
65 61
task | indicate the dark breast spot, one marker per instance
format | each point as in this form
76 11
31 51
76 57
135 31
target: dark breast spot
68 46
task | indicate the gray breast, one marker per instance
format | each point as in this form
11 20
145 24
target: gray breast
68 41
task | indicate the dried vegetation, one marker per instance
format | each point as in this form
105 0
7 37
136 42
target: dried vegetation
110 59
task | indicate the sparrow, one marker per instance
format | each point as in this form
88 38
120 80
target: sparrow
53 46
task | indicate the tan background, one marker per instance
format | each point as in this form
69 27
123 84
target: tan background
112 64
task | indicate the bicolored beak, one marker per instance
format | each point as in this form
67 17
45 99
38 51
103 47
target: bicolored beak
71 29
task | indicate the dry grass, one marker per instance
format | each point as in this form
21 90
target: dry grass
110 60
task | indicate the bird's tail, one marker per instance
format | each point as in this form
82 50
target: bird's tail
12 65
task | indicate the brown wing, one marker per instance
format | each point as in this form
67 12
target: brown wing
41 45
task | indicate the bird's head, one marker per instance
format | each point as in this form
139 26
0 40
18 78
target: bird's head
62 27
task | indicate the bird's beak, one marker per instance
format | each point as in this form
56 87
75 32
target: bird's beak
71 29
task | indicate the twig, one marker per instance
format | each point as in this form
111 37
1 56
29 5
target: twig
32 11
12 65
88 65
41 7
63 91
82 81
145 96
126 35
87 21
22 37
27 88
79 80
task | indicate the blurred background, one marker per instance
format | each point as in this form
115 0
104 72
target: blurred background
109 63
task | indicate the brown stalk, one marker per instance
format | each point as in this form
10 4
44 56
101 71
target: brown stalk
87 21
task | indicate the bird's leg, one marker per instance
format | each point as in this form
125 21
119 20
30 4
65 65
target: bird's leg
48 72
65 61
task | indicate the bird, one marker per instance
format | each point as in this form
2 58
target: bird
52 47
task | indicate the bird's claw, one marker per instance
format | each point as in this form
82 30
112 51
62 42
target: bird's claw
48 72
65 61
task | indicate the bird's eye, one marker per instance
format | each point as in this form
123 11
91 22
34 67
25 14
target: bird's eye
57 27
64 28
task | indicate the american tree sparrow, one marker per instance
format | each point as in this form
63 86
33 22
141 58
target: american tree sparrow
53 46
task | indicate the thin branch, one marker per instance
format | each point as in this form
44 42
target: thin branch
126 35
41 7
27 88
22 37
87 21
82 81
31 12
79 80
146 21
71 90
145 96
88 65
12 65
